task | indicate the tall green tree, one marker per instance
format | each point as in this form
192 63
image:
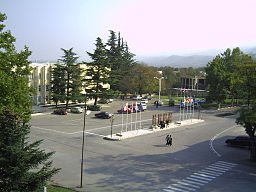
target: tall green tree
23 166
58 89
73 83
98 73
15 95
121 60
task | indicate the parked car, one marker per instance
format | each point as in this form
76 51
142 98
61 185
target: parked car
240 141
171 102
76 110
60 111
104 115
159 103
143 106
144 101
148 97
104 101
136 97
94 107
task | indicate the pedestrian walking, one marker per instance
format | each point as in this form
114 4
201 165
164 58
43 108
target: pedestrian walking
170 140
167 140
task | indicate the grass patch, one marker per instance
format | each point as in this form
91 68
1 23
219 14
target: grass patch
51 188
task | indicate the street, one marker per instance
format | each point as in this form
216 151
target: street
145 163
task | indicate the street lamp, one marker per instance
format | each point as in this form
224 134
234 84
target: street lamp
159 86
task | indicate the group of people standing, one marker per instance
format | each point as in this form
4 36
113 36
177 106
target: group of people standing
168 140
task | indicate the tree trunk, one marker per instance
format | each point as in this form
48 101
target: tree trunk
253 150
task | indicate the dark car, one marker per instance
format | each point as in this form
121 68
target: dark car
60 111
104 115
94 107
240 141
171 102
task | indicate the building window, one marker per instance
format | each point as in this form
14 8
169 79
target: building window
39 88
47 87
40 75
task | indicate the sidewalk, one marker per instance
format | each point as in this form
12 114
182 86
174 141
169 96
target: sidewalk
135 133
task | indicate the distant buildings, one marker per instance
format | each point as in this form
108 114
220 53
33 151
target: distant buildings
196 83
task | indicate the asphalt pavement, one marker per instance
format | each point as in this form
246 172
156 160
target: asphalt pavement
145 163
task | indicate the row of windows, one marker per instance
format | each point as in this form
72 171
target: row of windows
47 88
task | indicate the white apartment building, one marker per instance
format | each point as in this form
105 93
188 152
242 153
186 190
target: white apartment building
40 80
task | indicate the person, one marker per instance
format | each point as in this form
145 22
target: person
170 140
167 140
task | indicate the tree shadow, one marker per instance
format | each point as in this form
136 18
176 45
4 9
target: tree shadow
153 172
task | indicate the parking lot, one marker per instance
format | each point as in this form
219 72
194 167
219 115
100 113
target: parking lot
72 124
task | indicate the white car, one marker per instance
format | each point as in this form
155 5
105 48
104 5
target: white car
144 106
136 97
144 101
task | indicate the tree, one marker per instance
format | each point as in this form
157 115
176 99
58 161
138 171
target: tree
19 159
73 83
23 166
120 59
15 95
140 80
247 119
58 82
98 73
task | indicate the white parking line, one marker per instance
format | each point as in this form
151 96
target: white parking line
217 135
66 133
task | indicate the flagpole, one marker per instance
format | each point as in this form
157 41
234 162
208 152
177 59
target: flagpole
122 121
131 115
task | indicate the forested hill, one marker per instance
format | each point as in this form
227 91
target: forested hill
195 61
178 61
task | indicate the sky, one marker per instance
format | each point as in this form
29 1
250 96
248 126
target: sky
150 27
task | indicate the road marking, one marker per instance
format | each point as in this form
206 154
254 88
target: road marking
199 179
217 135
66 133
188 184
184 187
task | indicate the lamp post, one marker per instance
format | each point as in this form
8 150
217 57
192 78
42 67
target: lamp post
83 142
159 92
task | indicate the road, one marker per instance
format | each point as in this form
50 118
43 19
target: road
144 163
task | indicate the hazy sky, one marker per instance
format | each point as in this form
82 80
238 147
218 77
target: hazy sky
151 27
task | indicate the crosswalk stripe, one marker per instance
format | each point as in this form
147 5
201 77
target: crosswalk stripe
216 167
204 175
216 170
184 187
228 163
194 179
176 189
196 183
224 165
199 177
168 190
209 173
188 184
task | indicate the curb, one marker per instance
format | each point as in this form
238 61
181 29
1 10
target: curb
139 132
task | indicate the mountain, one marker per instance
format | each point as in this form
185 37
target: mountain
197 60
177 61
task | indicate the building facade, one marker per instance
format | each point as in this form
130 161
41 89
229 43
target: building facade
40 80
